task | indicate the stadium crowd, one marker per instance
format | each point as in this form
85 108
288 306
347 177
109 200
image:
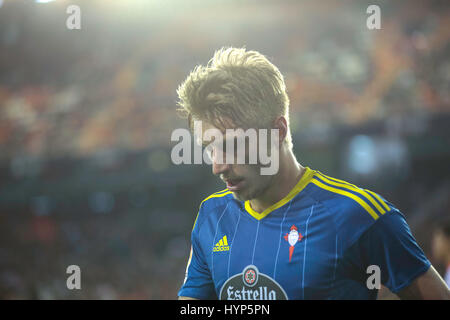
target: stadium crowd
86 118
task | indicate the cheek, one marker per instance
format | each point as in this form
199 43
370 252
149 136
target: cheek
259 181
244 170
255 175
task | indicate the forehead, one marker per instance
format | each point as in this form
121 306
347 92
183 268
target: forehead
201 127
208 126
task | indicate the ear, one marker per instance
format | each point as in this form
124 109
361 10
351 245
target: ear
280 123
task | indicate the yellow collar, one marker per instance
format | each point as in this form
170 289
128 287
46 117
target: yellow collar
301 184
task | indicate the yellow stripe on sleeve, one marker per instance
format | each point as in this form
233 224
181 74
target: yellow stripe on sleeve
216 195
361 202
379 199
351 187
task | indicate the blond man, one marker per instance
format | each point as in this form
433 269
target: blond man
296 233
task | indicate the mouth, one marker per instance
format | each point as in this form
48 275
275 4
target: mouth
234 184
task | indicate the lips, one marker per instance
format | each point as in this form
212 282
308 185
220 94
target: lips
234 184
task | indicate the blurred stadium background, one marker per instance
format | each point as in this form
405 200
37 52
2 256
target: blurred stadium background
86 117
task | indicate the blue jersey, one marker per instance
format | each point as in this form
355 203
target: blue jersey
327 239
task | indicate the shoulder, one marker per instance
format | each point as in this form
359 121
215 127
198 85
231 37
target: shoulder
343 197
352 208
216 199
212 204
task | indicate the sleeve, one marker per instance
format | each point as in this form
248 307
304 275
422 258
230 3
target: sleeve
388 244
198 281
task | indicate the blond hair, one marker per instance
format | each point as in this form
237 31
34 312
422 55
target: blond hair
237 85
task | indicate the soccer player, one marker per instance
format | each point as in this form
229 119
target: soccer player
295 234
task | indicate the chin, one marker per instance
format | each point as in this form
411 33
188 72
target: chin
245 195
240 196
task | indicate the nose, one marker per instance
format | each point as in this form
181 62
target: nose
219 167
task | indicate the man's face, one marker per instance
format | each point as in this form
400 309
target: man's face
244 180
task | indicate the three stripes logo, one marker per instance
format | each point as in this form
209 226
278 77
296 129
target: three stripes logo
370 201
222 245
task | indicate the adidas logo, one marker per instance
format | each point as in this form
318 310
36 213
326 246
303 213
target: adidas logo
222 245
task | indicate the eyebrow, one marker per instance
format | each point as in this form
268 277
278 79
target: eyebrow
207 142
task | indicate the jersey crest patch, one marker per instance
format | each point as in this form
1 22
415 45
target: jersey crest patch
293 237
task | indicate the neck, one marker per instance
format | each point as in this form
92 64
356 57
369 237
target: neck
289 174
